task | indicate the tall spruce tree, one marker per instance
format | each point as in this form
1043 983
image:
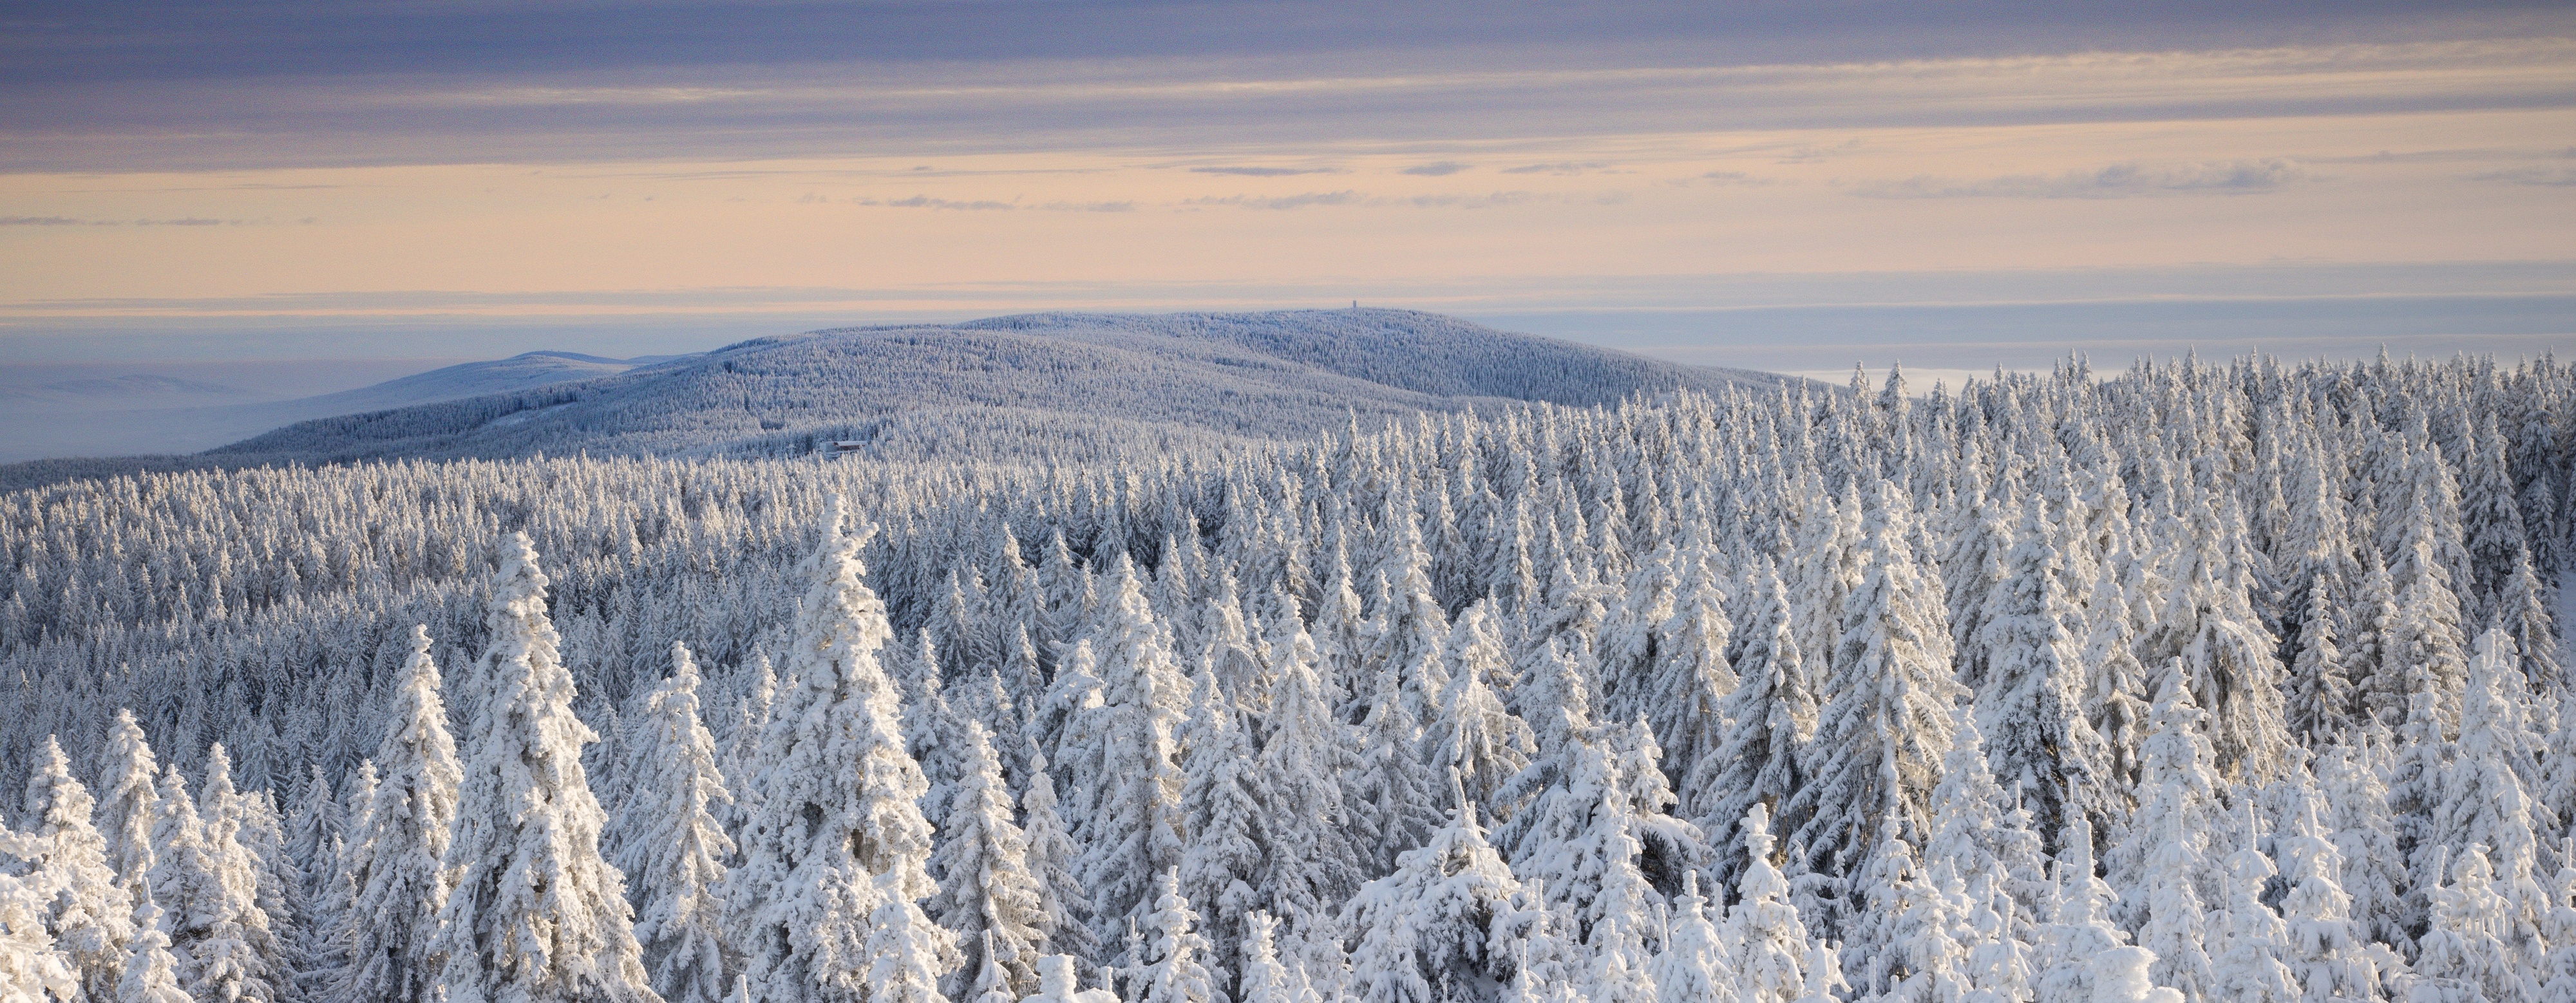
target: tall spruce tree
1880 740
675 847
1770 716
837 846
214 917
128 813
1125 747
89 915
396 860
535 914
988 898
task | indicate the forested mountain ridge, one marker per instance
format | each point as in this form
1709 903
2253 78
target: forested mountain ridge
2198 683
1059 386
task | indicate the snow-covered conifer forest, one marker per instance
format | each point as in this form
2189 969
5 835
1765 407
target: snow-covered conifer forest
2196 682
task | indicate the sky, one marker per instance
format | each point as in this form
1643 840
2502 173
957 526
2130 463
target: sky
1791 186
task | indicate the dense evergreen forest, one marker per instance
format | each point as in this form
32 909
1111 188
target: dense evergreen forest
2191 683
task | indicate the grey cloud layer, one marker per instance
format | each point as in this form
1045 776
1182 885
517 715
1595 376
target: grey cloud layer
83 42
73 103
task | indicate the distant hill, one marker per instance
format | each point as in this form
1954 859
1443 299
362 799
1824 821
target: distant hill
1061 386
161 414
525 371
128 390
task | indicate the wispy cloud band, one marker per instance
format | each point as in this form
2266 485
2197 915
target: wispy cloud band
2115 181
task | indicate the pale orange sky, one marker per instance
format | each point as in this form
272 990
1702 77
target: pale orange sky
2448 153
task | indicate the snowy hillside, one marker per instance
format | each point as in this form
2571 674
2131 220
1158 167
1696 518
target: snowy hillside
1057 386
2194 684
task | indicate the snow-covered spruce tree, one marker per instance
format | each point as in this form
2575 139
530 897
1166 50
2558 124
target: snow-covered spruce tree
535 914
2119 975
2321 701
988 898
1121 751
262 833
1974 571
336 897
2117 684
1390 793
1232 648
1051 857
1769 715
2227 655
2315 562
992 984
2416 765
2000 966
1693 964
1673 848
1880 740
2029 702
742 747
982 697
149 974
2557 787
132 804
2249 965
2558 927
397 855
311 827
1312 863
89 916
2428 643
1689 676
1830 563
1416 633
2173 920
1974 834
1473 733
1224 806
2326 951
1170 971
2370 625
2178 799
1587 845
1264 979
929 727
2374 869
32 968
2523 613
1766 944
1450 914
2484 797
230 833
1071 699
1905 946
213 911
837 844
2463 954
1343 632
1825 982
2490 519
1057 983
1555 697
2075 939
675 847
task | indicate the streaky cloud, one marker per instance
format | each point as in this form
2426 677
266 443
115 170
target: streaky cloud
2115 181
